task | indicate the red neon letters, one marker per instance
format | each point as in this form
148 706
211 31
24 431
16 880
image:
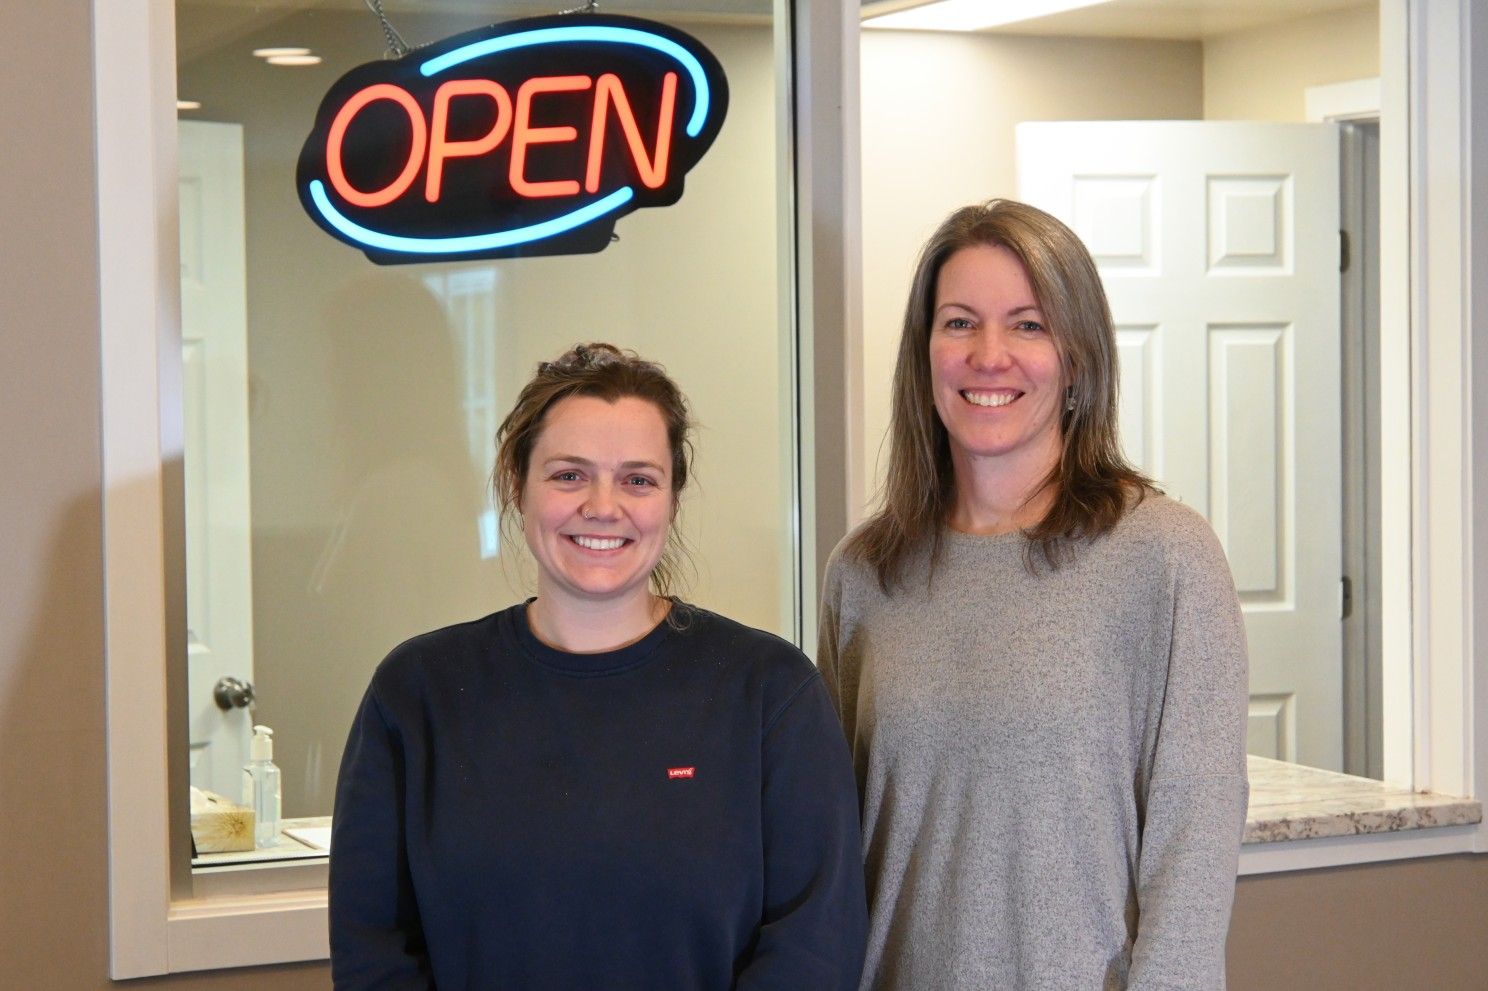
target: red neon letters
441 147
334 168
610 100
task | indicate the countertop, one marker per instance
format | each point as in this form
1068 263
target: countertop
1287 802
1292 802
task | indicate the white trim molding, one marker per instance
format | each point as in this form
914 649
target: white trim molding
1357 99
154 926
134 179
1474 174
1396 387
1440 138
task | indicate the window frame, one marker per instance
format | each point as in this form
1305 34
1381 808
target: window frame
1432 286
159 923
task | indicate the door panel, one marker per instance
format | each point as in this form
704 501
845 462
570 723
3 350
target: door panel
219 574
1218 246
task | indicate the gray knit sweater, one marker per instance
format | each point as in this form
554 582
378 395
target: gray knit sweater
1051 766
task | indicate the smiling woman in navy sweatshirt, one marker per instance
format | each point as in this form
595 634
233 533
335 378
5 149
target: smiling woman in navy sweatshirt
603 787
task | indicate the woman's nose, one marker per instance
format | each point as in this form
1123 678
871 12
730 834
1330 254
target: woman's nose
600 504
989 349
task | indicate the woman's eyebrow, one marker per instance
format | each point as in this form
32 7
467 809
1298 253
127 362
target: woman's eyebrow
574 459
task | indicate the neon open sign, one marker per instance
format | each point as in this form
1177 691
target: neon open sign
527 138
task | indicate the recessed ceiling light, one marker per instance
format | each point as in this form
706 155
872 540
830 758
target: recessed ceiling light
272 52
293 60
972 15
188 104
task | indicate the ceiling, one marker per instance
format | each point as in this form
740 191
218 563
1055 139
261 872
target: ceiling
1190 20
204 25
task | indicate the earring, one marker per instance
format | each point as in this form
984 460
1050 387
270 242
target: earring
1069 399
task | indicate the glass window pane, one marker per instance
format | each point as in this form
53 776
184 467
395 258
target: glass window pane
340 415
1212 206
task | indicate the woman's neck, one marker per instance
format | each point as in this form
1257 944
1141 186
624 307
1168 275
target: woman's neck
593 627
1000 495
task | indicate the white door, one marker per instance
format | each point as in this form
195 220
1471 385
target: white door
1218 246
219 577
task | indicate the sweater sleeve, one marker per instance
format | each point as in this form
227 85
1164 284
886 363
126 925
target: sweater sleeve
1195 795
377 940
829 643
814 930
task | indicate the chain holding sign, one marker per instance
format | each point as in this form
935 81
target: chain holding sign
530 137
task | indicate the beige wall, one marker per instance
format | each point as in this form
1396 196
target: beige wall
1420 924
1414 924
937 130
1260 74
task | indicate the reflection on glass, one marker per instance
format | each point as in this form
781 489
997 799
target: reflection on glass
468 297
366 399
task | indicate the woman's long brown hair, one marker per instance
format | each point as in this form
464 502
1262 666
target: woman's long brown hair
1093 485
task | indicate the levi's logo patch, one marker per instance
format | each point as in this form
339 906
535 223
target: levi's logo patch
681 772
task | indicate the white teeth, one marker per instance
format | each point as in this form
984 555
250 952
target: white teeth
990 398
599 543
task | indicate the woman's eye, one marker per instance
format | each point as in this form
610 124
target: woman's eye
640 480
957 323
566 476
1031 326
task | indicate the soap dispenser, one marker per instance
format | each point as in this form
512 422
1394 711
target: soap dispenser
261 787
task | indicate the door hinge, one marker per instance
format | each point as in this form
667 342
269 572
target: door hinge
1344 256
1345 598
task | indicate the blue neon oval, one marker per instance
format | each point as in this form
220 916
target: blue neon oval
469 242
580 32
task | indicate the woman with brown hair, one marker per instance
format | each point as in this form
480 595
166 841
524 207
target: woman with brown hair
1038 659
602 787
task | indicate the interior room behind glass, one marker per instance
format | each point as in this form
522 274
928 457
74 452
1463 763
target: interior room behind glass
358 512
941 116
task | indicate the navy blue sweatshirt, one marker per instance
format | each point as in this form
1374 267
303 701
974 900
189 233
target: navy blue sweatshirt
677 814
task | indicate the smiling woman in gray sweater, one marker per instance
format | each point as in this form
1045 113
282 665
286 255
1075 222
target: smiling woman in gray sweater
1039 661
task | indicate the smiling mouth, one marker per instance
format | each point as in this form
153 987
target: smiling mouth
999 397
599 543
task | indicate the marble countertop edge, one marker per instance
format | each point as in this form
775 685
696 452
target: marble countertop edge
1293 802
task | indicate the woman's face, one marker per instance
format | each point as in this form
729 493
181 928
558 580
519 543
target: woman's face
597 500
994 370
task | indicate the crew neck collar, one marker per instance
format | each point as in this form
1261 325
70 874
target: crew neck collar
602 662
961 539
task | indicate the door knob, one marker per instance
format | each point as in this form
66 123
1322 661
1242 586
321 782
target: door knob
232 693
